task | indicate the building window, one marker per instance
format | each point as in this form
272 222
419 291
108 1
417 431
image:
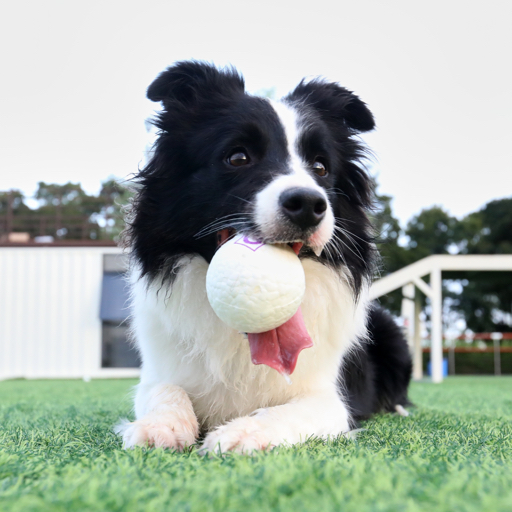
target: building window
116 350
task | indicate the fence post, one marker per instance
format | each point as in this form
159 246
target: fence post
496 337
407 313
417 372
451 357
436 351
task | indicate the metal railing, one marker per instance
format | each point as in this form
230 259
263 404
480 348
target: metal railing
451 348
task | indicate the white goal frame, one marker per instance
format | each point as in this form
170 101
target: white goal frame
409 279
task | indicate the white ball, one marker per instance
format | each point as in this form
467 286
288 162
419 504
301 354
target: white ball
255 287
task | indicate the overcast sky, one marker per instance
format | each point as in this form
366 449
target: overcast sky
436 74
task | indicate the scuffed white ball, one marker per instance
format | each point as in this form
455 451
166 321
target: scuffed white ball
255 287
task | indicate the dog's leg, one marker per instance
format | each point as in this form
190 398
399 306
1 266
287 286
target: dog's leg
401 410
165 419
319 414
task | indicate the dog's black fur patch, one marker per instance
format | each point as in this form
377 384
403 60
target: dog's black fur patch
186 185
376 374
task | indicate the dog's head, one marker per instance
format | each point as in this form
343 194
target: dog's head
226 161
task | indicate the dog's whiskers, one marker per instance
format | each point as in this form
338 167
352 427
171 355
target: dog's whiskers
241 199
348 233
235 221
356 246
338 191
332 249
337 240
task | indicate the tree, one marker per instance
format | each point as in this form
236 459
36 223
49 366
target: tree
115 196
66 211
432 231
393 256
79 215
15 215
71 208
489 230
13 200
486 301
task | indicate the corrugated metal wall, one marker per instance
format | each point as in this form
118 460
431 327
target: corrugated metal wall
49 312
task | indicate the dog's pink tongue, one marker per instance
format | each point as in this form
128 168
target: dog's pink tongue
280 348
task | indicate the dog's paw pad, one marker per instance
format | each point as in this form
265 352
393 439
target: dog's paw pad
354 433
240 436
151 434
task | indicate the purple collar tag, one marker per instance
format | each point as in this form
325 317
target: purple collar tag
250 244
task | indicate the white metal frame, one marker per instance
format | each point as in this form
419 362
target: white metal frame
410 278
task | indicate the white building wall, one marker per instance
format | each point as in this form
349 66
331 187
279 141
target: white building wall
49 313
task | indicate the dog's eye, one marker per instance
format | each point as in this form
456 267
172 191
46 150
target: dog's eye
238 158
320 169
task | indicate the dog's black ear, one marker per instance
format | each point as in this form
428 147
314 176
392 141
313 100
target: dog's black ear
189 81
335 103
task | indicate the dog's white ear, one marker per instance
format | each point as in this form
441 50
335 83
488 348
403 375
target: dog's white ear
334 103
190 82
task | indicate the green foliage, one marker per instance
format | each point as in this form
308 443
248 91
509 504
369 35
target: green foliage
486 301
15 199
58 453
432 231
67 212
53 195
488 231
487 297
114 197
387 232
394 256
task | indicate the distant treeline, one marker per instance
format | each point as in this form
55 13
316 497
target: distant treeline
66 212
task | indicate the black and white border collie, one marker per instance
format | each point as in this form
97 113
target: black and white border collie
226 162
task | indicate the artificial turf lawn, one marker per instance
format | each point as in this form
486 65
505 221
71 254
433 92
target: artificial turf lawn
58 452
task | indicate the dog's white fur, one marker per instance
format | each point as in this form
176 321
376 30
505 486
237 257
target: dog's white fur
197 372
197 367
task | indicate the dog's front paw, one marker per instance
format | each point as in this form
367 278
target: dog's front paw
243 435
158 432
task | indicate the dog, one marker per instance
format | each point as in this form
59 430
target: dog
227 163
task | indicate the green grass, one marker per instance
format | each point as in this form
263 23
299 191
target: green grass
58 452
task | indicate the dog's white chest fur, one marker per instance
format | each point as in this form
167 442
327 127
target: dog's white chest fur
183 343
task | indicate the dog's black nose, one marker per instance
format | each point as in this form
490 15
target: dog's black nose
305 207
